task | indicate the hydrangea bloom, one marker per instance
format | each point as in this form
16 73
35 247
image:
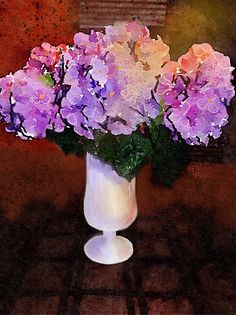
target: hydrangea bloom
45 56
114 75
27 105
5 94
114 82
196 90
27 98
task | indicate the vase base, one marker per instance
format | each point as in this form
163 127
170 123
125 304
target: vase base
108 251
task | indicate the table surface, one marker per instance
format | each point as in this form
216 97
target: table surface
183 263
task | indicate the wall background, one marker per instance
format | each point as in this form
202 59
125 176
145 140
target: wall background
38 173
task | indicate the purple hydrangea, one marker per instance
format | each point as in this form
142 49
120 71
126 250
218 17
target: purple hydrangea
196 91
116 81
111 79
30 106
5 95
198 118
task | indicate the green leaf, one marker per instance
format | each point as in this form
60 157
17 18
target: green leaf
69 141
46 79
126 154
170 158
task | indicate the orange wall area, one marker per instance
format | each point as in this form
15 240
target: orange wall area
36 171
24 24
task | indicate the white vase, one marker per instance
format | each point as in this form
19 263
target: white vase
109 205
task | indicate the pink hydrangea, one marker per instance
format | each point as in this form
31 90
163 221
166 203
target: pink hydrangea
196 90
46 55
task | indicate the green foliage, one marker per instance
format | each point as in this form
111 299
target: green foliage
170 158
47 79
126 154
69 141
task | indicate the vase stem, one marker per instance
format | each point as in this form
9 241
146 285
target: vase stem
109 235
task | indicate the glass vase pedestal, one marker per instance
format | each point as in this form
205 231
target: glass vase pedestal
109 206
108 248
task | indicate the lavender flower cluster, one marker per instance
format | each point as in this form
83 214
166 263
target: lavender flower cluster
116 81
196 91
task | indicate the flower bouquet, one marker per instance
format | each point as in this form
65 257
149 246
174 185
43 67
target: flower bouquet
118 98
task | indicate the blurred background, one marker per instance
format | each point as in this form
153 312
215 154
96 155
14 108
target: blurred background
38 182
